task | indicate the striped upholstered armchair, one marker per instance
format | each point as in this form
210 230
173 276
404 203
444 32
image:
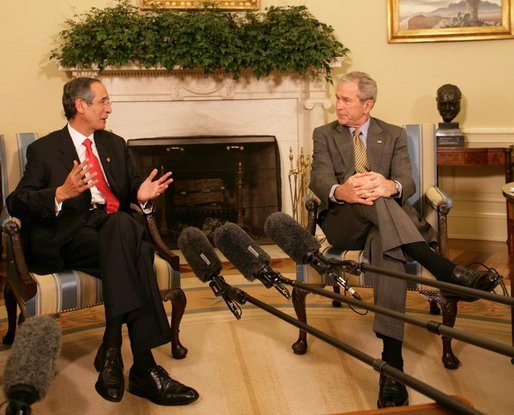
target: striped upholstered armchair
432 204
70 289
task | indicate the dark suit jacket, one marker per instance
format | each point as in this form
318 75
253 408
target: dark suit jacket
333 163
49 161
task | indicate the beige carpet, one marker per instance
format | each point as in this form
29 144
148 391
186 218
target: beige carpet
247 366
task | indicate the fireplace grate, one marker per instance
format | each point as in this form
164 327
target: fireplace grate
216 179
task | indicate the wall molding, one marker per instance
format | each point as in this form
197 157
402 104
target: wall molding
489 134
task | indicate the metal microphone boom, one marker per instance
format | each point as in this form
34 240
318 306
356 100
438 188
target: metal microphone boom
430 325
378 365
349 266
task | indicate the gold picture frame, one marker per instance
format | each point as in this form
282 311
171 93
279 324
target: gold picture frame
452 20
199 4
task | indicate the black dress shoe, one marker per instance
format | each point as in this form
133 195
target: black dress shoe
392 393
157 386
111 383
480 280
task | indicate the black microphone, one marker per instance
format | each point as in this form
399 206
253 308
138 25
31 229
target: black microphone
206 265
31 365
303 248
247 256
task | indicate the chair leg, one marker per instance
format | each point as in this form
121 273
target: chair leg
449 307
434 308
11 306
337 290
178 306
298 298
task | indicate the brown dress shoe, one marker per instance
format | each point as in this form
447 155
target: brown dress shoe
392 393
111 383
157 386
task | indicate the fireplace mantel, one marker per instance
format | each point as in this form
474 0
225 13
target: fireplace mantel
156 103
193 84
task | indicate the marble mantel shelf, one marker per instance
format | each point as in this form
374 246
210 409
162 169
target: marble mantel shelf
157 83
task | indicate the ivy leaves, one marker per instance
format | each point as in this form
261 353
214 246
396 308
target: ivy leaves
280 39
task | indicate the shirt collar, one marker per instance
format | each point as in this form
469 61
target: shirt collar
364 129
77 137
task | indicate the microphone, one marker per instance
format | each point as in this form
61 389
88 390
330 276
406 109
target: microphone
303 248
247 256
206 265
31 365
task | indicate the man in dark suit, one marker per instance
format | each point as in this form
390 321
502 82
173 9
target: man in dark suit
73 200
362 174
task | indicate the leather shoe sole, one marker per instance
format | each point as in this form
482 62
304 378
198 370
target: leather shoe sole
111 383
157 386
392 393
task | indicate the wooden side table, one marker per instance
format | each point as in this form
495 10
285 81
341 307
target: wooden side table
478 154
508 192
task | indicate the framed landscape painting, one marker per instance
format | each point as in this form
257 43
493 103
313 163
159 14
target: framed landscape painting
199 4
448 20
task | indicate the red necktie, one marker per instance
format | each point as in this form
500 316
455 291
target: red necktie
112 203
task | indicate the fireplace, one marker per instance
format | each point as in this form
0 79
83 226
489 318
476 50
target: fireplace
216 179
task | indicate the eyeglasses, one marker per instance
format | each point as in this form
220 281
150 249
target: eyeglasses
105 102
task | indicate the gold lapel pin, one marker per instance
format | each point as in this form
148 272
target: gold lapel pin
108 159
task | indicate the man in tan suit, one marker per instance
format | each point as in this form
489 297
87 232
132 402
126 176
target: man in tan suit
364 196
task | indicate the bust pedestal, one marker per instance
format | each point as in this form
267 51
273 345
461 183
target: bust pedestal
449 134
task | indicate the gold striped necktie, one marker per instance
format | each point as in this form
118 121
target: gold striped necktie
359 150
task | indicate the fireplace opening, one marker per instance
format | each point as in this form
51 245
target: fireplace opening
216 179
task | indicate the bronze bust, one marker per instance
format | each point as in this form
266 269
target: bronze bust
448 101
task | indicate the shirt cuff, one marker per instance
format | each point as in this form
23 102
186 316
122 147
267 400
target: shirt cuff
399 189
332 197
57 206
146 207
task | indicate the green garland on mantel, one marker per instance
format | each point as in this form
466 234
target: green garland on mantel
278 40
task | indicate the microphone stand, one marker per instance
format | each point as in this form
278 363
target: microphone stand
220 289
378 365
268 277
431 325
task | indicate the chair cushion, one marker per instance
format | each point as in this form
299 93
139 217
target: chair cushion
71 290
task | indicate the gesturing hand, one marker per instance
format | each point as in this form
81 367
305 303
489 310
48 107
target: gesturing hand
150 188
79 179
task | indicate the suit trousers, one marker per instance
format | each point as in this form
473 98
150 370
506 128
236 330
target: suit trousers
115 249
380 230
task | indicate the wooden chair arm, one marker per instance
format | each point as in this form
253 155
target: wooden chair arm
21 282
312 205
439 200
442 204
160 247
